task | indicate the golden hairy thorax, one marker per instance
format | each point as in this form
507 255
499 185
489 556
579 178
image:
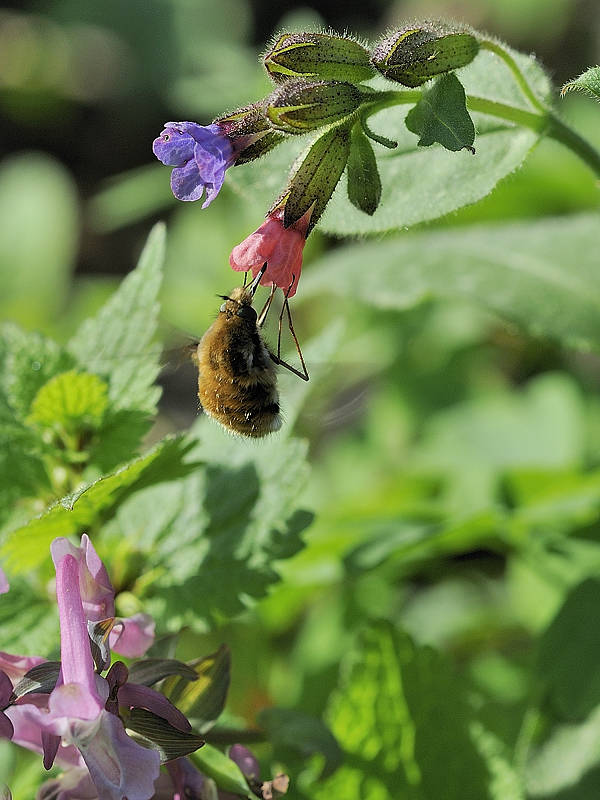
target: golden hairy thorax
237 382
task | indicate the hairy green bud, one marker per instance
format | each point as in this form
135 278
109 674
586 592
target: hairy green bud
251 131
298 106
417 53
318 55
314 181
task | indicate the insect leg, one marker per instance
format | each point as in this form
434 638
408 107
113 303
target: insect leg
265 309
277 359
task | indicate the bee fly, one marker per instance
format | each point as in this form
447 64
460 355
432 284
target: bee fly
237 381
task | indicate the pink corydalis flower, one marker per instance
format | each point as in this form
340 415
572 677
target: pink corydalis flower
4 585
280 247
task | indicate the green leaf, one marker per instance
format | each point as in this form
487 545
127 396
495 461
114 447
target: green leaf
242 507
28 546
441 116
29 361
203 699
588 83
116 342
523 272
29 624
418 184
157 733
148 671
570 652
295 733
402 718
364 185
567 765
225 772
72 399
317 176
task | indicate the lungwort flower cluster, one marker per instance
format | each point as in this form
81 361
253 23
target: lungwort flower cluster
89 717
318 87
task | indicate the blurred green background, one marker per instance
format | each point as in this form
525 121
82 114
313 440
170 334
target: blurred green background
440 436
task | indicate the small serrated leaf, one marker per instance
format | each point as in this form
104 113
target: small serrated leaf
364 184
72 400
588 83
160 735
115 343
203 700
441 116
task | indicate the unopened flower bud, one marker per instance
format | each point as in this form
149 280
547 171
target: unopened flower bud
298 106
415 54
249 128
318 55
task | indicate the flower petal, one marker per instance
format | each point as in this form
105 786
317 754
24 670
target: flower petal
138 696
119 767
4 584
186 183
173 147
6 727
132 636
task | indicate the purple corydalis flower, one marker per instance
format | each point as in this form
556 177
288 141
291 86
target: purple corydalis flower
118 766
4 585
131 636
200 154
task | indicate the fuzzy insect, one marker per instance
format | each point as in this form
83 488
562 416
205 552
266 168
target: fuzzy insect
237 380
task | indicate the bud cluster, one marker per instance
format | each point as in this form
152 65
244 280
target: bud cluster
319 86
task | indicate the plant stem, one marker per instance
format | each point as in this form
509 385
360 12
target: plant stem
498 50
545 123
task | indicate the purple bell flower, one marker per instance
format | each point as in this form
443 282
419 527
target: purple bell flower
200 155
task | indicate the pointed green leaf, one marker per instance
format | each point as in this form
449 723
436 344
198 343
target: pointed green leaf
441 116
203 699
364 185
116 342
148 671
158 734
588 83
225 772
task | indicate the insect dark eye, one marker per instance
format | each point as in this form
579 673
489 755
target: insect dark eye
247 313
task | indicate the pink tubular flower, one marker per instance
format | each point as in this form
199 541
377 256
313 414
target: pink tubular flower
4 585
280 247
131 636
